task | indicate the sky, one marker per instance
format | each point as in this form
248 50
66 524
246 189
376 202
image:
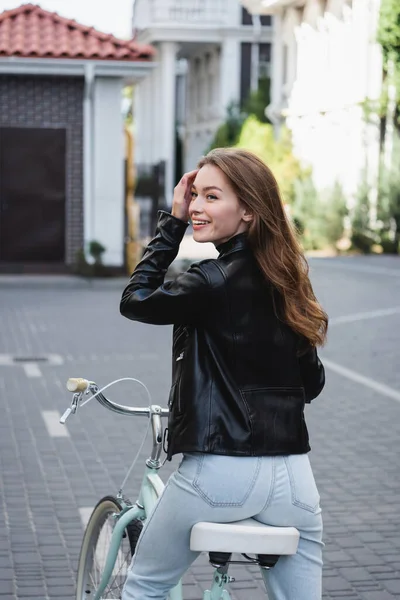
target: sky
113 16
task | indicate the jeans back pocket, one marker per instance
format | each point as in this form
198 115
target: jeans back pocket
302 483
226 480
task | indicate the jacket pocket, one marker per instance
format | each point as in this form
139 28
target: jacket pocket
276 418
302 483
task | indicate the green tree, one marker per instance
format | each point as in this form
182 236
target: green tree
228 132
389 38
389 29
277 154
258 100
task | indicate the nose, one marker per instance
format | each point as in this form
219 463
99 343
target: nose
196 205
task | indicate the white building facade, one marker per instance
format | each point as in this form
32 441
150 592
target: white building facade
210 53
326 67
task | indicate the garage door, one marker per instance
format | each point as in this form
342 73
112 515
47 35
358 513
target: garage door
32 195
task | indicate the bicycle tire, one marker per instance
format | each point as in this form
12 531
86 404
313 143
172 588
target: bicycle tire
89 573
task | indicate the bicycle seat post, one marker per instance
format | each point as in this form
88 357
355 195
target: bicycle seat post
154 461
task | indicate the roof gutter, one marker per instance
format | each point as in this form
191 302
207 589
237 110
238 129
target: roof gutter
132 70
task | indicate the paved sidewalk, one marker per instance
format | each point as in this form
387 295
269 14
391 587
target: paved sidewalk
47 481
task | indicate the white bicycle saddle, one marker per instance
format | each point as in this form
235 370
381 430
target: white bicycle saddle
244 537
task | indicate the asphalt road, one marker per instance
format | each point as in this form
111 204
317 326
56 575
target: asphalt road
49 482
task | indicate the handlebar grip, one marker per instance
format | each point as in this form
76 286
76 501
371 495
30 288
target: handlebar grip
77 384
65 416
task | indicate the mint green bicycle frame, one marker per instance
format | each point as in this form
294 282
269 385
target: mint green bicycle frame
150 490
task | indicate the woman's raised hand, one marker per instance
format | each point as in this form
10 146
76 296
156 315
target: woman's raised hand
182 196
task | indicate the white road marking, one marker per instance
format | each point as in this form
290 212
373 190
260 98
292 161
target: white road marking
381 388
9 360
373 314
51 419
6 360
32 370
54 359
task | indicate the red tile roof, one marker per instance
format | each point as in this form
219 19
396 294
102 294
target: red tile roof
29 31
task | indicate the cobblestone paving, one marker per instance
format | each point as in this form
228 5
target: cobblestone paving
45 480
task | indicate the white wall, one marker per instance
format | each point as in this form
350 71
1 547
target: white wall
333 67
108 169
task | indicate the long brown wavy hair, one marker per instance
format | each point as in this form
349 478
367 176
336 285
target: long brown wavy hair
273 240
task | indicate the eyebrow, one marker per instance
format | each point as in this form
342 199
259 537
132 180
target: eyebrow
209 187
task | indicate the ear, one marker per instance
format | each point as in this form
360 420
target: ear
247 215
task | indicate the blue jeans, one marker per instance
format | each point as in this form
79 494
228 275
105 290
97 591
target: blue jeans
275 490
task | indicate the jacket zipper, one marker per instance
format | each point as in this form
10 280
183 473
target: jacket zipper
178 359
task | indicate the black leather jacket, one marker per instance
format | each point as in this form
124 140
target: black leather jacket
238 382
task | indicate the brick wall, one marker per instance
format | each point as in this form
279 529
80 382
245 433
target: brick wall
37 101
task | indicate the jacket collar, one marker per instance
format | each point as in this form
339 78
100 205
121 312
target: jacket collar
237 242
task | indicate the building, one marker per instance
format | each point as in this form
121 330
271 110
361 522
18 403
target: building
326 68
210 53
62 175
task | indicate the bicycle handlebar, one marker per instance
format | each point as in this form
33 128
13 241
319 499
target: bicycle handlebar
79 386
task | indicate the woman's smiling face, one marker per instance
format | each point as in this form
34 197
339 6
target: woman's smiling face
215 210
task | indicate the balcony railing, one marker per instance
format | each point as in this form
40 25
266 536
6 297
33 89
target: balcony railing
211 13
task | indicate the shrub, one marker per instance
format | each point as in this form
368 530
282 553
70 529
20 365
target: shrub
334 212
96 250
91 269
307 214
389 203
362 236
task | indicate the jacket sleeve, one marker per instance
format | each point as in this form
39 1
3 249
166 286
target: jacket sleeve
312 373
148 299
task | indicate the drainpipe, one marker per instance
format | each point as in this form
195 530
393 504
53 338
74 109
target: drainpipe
88 156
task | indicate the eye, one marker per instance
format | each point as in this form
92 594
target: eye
193 194
212 197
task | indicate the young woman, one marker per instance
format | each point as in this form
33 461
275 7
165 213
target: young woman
246 328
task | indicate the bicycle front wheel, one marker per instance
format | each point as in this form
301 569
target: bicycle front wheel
95 547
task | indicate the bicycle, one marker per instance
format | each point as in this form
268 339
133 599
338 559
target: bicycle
115 524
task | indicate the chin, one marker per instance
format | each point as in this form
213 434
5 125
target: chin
201 239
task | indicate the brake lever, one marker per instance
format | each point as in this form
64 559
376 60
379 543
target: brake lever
72 409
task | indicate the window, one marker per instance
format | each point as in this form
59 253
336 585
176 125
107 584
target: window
247 18
245 71
264 60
